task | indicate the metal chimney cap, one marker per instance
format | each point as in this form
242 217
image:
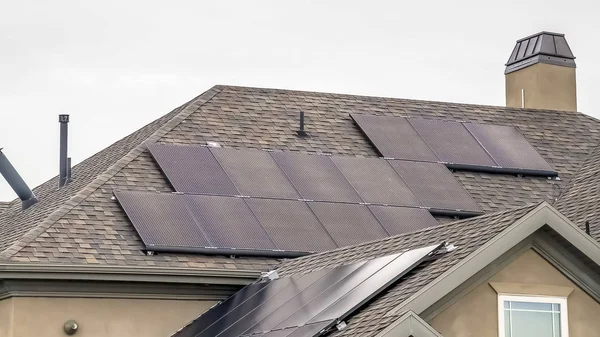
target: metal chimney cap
63 118
543 47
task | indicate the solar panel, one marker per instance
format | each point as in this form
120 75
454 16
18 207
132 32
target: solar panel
399 220
297 285
434 185
161 220
375 181
296 305
316 177
508 147
304 305
291 225
451 142
348 224
228 222
394 137
192 169
373 285
255 173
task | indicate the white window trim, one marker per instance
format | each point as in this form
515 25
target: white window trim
564 322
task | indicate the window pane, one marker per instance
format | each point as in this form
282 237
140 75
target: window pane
556 307
531 306
506 304
506 321
531 323
557 325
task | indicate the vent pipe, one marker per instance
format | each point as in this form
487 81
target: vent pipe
64 167
16 182
587 227
301 132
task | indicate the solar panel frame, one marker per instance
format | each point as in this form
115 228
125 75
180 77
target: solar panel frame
161 220
291 225
435 186
348 224
400 220
255 173
394 137
509 148
228 222
192 169
375 181
316 177
451 142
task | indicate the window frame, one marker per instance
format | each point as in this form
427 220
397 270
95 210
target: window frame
564 321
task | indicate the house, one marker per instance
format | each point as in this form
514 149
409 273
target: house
470 218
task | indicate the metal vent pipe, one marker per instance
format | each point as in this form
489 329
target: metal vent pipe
16 182
63 173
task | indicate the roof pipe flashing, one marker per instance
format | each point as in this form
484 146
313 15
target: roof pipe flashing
16 182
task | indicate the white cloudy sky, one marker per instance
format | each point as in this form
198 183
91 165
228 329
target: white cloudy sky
117 65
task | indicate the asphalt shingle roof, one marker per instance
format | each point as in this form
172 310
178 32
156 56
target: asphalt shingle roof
467 235
83 224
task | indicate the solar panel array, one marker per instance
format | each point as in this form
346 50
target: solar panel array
287 175
260 226
306 305
470 146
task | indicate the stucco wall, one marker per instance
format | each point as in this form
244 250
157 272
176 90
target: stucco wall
34 317
476 314
546 87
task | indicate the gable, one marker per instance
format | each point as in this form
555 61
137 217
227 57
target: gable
476 313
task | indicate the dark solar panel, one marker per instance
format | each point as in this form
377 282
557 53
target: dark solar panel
297 286
374 284
291 225
375 181
394 137
451 142
161 220
192 169
508 147
434 185
399 220
316 177
304 305
348 224
255 173
228 222
296 305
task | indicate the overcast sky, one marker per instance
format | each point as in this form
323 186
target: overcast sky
114 66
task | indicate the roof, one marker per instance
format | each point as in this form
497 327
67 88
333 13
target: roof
580 202
543 47
471 237
82 224
4 206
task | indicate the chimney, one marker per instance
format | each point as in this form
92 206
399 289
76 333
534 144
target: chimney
16 182
64 161
540 74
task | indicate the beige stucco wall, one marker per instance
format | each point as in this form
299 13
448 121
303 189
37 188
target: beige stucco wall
35 317
476 314
546 87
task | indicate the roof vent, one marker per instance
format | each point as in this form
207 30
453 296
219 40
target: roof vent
16 182
301 132
64 174
543 47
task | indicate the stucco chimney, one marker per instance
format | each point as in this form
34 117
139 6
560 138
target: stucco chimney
540 74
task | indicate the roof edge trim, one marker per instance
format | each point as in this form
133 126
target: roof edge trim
47 222
543 214
131 274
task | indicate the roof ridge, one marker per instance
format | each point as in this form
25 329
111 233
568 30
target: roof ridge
569 185
340 94
102 178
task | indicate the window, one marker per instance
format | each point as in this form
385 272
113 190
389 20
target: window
522 316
